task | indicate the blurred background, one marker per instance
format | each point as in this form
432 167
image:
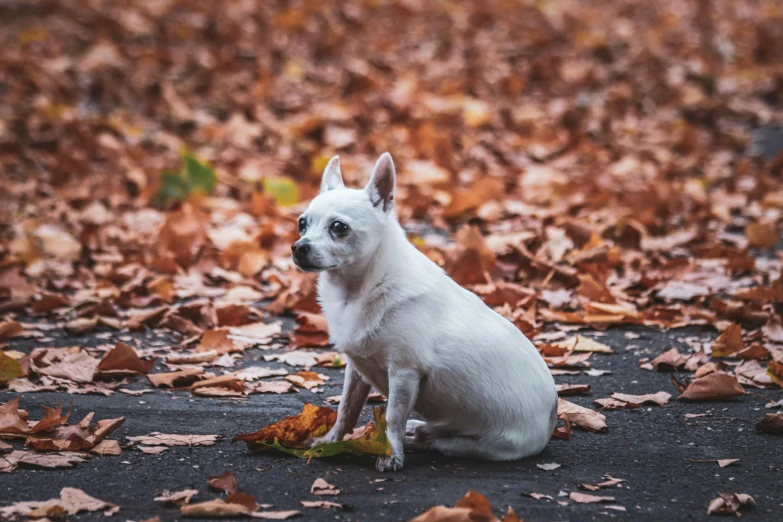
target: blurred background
179 133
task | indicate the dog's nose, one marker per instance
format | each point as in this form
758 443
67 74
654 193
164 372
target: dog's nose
300 249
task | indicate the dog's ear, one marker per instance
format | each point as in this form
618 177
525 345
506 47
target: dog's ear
381 184
332 178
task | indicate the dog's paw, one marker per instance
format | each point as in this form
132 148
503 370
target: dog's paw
326 439
389 463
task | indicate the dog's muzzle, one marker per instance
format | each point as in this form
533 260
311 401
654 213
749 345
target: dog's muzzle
301 251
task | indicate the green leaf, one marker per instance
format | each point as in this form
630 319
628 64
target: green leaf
283 190
9 368
372 441
173 187
201 176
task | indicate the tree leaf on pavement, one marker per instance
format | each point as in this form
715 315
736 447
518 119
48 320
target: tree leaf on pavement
771 423
226 483
713 386
166 439
321 487
176 498
71 501
9 368
581 416
730 504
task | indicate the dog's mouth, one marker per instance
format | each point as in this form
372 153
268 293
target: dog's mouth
306 266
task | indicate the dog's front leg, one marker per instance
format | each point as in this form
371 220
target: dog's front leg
403 387
355 392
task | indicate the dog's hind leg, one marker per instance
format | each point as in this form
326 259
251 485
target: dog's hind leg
490 447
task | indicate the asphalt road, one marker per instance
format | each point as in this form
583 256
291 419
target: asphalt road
647 448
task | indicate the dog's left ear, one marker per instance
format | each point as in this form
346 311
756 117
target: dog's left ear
381 184
332 178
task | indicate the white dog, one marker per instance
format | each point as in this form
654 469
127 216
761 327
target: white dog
418 337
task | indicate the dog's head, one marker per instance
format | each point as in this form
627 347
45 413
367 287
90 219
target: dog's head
342 226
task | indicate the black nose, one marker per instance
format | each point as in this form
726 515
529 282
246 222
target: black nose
300 249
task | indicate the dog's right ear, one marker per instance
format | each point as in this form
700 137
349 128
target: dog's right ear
332 178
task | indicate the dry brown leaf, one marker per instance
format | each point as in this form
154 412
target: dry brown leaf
214 509
729 342
123 360
761 235
659 398
321 487
176 498
730 504
226 483
320 504
71 501
11 461
771 423
273 387
608 483
107 447
275 515
306 380
10 329
166 439
177 379
76 367
584 498
217 341
566 390
580 343
581 416
714 386
10 419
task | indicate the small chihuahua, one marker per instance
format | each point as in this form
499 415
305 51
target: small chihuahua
422 340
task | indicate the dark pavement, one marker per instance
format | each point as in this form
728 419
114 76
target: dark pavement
647 448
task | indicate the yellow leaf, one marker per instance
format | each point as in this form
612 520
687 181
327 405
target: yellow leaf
283 190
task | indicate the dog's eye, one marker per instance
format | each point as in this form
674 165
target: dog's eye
338 228
302 225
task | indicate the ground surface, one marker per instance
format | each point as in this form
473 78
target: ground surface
646 447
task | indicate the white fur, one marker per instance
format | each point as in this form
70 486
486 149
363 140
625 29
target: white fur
428 344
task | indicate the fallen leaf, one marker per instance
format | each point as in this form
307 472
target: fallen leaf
107 447
226 483
306 380
217 341
176 498
761 235
771 423
216 508
580 343
165 439
181 378
122 360
566 390
549 466
71 501
273 387
581 416
714 386
11 461
584 498
321 487
320 504
659 398
608 483
10 329
729 342
729 504
275 515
